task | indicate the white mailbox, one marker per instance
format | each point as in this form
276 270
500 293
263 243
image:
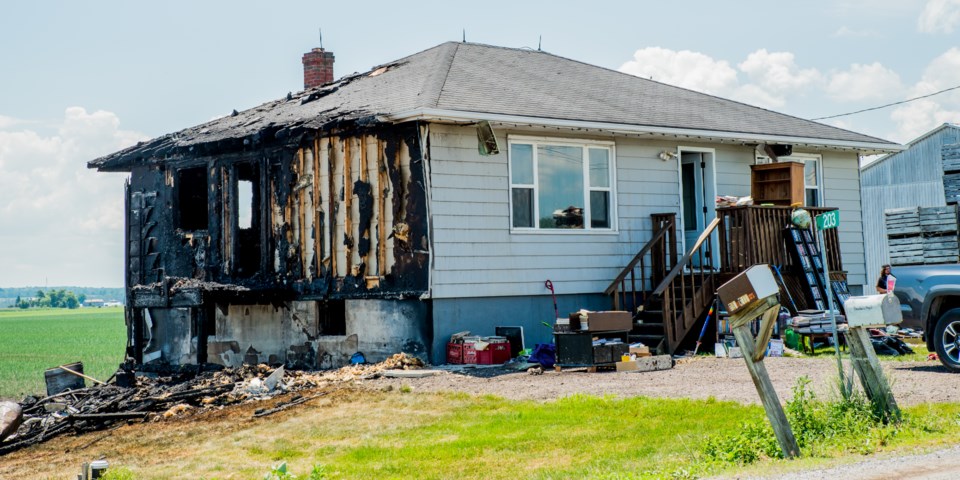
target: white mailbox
873 311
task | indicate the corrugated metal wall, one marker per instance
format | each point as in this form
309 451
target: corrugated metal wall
911 178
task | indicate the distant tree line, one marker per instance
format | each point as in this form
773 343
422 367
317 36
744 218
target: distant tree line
51 299
107 294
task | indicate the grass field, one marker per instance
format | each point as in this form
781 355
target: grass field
36 339
404 434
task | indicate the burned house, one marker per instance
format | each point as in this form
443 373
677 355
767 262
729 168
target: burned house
383 211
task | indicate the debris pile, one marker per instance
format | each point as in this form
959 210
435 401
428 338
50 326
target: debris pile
159 397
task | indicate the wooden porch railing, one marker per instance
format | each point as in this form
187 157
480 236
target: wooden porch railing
752 234
688 289
648 266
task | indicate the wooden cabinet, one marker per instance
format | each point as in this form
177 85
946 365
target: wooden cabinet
777 183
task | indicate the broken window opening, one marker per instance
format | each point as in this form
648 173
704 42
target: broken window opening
247 221
244 204
333 318
192 199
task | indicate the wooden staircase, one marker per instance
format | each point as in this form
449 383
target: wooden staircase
667 295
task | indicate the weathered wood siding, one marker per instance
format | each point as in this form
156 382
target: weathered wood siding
476 255
911 178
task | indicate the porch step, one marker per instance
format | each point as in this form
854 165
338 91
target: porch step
651 341
648 329
650 316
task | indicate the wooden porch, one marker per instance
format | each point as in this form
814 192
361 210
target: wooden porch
670 294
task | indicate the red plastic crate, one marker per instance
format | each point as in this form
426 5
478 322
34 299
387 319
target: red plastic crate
494 354
455 353
469 354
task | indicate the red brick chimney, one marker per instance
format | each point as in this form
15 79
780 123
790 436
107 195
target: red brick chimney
317 68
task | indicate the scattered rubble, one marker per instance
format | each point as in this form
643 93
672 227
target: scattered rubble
159 396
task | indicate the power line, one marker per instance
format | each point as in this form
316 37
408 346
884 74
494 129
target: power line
888 105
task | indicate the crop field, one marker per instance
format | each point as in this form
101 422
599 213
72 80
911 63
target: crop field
36 339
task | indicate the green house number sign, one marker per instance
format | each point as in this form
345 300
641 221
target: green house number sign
828 220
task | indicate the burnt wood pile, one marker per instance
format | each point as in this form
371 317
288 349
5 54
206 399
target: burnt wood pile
178 391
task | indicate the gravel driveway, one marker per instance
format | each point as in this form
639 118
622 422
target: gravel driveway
700 377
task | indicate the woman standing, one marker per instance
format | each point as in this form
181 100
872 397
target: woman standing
884 283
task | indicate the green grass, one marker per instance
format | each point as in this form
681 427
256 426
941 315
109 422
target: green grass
461 436
919 354
36 339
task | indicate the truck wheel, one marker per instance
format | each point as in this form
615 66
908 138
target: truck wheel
946 339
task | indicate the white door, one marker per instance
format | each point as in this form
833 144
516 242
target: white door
697 193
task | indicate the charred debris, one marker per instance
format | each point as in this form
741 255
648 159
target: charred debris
295 232
161 392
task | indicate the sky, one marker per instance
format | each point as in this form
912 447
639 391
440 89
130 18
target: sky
83 79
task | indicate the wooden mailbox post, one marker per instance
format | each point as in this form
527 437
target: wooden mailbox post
747 296
862 313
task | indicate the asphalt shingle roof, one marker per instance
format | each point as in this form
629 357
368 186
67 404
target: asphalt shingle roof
467 77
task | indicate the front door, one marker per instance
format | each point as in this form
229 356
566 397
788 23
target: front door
697 191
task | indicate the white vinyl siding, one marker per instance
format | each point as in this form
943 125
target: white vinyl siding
477 255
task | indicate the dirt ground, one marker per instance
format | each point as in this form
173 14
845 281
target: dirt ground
700 377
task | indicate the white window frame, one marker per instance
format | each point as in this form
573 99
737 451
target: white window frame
566 142
804 157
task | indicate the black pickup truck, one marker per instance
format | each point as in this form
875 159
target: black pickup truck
930 299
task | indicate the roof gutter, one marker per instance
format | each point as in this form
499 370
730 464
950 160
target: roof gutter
434 114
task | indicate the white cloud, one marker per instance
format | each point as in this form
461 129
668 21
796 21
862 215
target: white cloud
62 222
9 122
864 82
778 71
939 16
921 116
772 75
684 68
846 31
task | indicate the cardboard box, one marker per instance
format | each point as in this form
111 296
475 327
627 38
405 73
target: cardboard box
602 321
755 283
640 351
627 366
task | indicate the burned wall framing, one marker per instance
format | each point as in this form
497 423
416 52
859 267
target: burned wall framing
338 215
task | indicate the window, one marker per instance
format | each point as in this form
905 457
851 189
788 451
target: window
811 181
246 217
561 185
192 199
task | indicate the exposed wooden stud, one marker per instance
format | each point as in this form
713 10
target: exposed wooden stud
348 204
384 189
317 211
